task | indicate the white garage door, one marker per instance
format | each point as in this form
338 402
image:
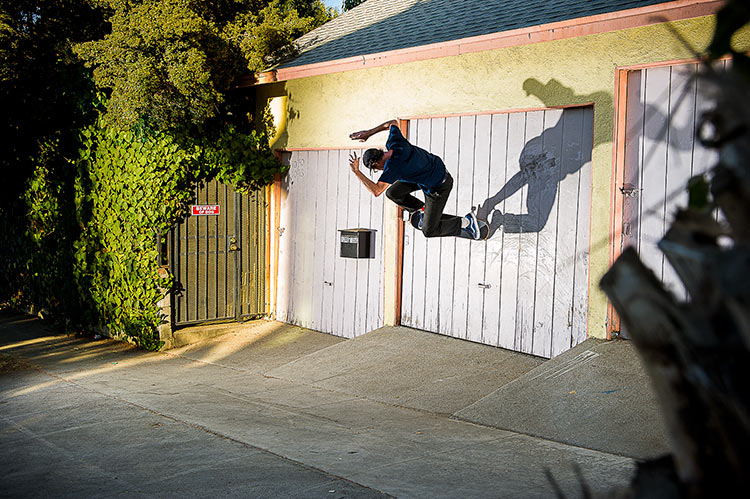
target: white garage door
526 288
316 287
661 154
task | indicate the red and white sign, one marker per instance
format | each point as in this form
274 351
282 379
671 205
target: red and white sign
206 209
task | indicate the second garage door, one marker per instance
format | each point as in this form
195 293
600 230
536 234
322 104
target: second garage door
664 107
526 287
317 288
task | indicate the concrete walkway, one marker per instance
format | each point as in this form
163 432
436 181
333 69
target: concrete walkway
272 410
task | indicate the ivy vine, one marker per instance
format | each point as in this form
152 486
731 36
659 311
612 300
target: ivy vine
129 188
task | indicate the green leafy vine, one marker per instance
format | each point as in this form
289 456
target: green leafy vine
130 188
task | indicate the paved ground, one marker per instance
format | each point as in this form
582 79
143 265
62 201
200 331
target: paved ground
596 395
272 410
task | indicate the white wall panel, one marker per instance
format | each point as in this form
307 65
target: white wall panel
528 232
655 157
566 250
493 213
285 262
663 109
448 244
434 245
511 200
529 176
419 132
331 240
583 229
478 252
318 288
304 240
340 280
546 204
462 189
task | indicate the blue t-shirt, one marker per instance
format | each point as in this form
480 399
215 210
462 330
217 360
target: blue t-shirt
410 163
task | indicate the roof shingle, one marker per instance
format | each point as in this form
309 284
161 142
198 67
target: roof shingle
384 25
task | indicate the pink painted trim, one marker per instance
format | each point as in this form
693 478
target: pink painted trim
502 111
661 64
337 148
359 147
601 23
616 199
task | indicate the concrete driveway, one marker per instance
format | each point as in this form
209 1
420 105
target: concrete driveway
272 410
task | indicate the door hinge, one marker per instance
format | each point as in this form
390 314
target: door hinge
629 190
233 244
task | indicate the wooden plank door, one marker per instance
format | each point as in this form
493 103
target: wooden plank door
663 107
526 287
317 288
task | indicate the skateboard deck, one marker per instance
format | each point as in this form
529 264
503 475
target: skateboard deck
484 229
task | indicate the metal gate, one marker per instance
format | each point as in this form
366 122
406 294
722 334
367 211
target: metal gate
526 287
218 257
663 105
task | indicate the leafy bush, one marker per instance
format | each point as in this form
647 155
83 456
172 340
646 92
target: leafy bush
131 188
92 179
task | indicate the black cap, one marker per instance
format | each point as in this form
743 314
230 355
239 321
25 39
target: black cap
370 156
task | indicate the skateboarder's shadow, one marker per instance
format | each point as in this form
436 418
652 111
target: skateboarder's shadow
542 171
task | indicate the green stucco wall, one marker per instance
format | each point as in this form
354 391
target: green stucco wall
321 111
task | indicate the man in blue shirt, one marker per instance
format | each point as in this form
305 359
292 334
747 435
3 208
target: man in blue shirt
407 168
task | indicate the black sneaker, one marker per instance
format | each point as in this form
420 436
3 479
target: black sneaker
416 218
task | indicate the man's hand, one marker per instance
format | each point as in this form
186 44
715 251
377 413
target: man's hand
354 162
375 188
361 136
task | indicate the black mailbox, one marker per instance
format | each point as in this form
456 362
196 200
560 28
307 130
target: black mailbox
357 243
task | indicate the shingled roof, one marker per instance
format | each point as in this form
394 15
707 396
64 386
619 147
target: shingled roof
384 25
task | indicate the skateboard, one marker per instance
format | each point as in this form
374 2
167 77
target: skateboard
484 229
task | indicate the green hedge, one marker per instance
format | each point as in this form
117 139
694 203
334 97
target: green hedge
91 251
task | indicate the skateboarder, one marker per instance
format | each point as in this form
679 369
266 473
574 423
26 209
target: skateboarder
407 168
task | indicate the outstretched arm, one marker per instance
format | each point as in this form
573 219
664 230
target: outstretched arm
363 135
512 186
375 189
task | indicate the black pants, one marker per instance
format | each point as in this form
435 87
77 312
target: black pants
434 223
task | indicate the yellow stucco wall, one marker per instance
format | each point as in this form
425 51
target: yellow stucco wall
321 111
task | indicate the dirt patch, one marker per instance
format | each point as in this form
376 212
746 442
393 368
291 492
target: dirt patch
10 364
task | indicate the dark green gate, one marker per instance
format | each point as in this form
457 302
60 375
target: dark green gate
218 257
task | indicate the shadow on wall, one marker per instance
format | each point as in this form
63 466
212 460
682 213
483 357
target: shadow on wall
669 116
539 169
659 120
279 103
542 172
553 93
289 115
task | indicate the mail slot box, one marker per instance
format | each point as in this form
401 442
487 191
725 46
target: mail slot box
357 243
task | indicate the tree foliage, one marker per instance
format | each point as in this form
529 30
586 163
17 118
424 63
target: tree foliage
46 96
113 111
170 63
350 4
45 93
